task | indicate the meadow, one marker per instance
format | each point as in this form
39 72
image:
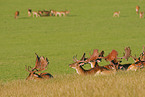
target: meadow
89 26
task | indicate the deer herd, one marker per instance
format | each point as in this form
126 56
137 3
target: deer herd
141 14
95 58
44 13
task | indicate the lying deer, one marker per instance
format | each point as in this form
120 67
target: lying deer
93 71
40 65
112 58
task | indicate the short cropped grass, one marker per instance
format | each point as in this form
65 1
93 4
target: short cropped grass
89 26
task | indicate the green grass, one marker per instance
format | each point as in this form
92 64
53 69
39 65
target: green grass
89 26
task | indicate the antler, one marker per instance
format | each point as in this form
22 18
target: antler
111 56
142 55
27 69
127 53
94 56
41 63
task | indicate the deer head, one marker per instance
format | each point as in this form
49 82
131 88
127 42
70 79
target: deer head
40 65
77 62
32 75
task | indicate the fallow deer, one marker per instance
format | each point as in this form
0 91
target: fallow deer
136 66
35 13
29 12
16 14
93 71
137 9
40 65
116 14
58 13
141 14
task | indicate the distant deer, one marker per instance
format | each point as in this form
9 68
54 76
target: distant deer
58 13
40 65
16 14
141 14
29 12
116 14
35 13
137 9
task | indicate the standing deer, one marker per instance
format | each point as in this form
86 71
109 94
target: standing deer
16 14
40 65
116 14
29 12
35 13
137 9
58 13
141 14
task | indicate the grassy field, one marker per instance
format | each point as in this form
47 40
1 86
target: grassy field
89 26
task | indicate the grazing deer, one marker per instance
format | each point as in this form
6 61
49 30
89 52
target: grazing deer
58 13
35 13
93 71
116 14
141 14
47 13
137 9
16 14
29 12
40 65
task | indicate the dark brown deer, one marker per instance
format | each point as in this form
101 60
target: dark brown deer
16 14
40 65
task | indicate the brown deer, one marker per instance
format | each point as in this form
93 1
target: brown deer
16 14
58 13
93 71
116 14
141 14
112 58
29 12
35 13
40 65
136 66
137 9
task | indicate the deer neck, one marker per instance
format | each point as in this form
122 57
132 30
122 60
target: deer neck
80 70
94 64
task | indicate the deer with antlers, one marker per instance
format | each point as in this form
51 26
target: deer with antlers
112 58
40 65
93 71
139 62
